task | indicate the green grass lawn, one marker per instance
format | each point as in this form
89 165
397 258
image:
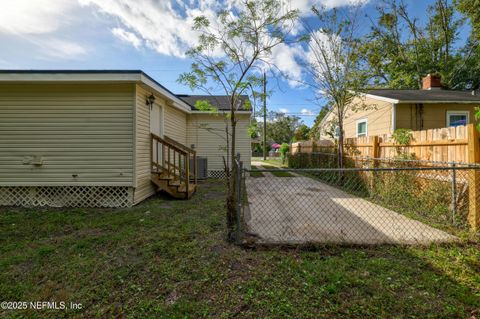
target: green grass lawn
168 259
256 173
274 161
276 171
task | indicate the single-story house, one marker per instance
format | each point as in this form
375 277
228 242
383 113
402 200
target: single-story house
105 138
379 112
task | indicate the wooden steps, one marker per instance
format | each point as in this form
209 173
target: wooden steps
173 187
171 171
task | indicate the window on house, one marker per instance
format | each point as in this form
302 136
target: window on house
337 131
457 118
362 128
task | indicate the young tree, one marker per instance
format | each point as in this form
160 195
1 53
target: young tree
335 64
233 48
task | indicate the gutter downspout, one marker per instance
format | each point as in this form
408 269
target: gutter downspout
394 117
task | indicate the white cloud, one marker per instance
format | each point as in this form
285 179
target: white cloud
164 26
128 37
34 17
305 6
163 29
306 112
62 49
283 110
5 64
38 23
285 58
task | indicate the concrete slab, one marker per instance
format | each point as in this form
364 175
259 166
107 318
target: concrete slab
302 210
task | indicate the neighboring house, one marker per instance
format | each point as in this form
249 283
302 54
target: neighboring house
383 111
84 138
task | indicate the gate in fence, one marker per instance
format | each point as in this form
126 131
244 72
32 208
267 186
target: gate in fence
366 206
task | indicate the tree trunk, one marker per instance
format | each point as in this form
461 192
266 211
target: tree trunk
340 143
232 183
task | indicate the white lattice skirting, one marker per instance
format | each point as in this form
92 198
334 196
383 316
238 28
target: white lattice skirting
220 174
67 196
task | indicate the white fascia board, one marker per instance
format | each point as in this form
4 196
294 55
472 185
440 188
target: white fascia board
70 77
396 101
322 122
114 77
176 102
221 112
381 98
440 102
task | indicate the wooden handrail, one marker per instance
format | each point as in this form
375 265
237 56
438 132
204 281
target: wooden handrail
179 145
175 159
161 140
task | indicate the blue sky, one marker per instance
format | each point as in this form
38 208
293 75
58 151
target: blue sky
151 35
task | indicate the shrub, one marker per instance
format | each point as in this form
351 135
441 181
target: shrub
284 150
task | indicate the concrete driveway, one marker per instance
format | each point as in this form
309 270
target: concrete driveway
302 210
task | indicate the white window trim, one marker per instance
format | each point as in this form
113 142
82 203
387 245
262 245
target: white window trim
336 134
450 113
366 127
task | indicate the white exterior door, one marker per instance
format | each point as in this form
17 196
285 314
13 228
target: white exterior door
156 120
156 123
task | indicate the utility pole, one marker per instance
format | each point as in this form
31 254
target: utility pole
264 116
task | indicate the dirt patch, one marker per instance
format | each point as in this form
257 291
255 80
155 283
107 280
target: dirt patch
218 249
180 289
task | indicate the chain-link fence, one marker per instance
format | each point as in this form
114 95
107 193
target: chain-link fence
373 203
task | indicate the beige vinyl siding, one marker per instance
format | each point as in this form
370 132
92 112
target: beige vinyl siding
211 143
76 129
143 186
175 124
378 115
434 115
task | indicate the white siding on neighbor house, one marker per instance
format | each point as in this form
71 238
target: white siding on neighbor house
83 130
207 132
175 124
143 185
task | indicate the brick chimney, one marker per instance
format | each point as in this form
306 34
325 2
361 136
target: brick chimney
432 82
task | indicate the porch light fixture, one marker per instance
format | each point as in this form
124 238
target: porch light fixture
150 101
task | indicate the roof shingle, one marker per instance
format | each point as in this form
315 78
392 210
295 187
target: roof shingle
220 102
426 96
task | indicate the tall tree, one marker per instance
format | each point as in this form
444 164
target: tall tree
467 73
471 9
233 47
400 50
315 131
302 133
281 127
334 62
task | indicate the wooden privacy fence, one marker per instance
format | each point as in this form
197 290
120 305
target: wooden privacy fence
453 144
312 146
448 145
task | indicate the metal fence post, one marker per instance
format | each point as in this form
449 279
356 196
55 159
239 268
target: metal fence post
474 178
454 193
